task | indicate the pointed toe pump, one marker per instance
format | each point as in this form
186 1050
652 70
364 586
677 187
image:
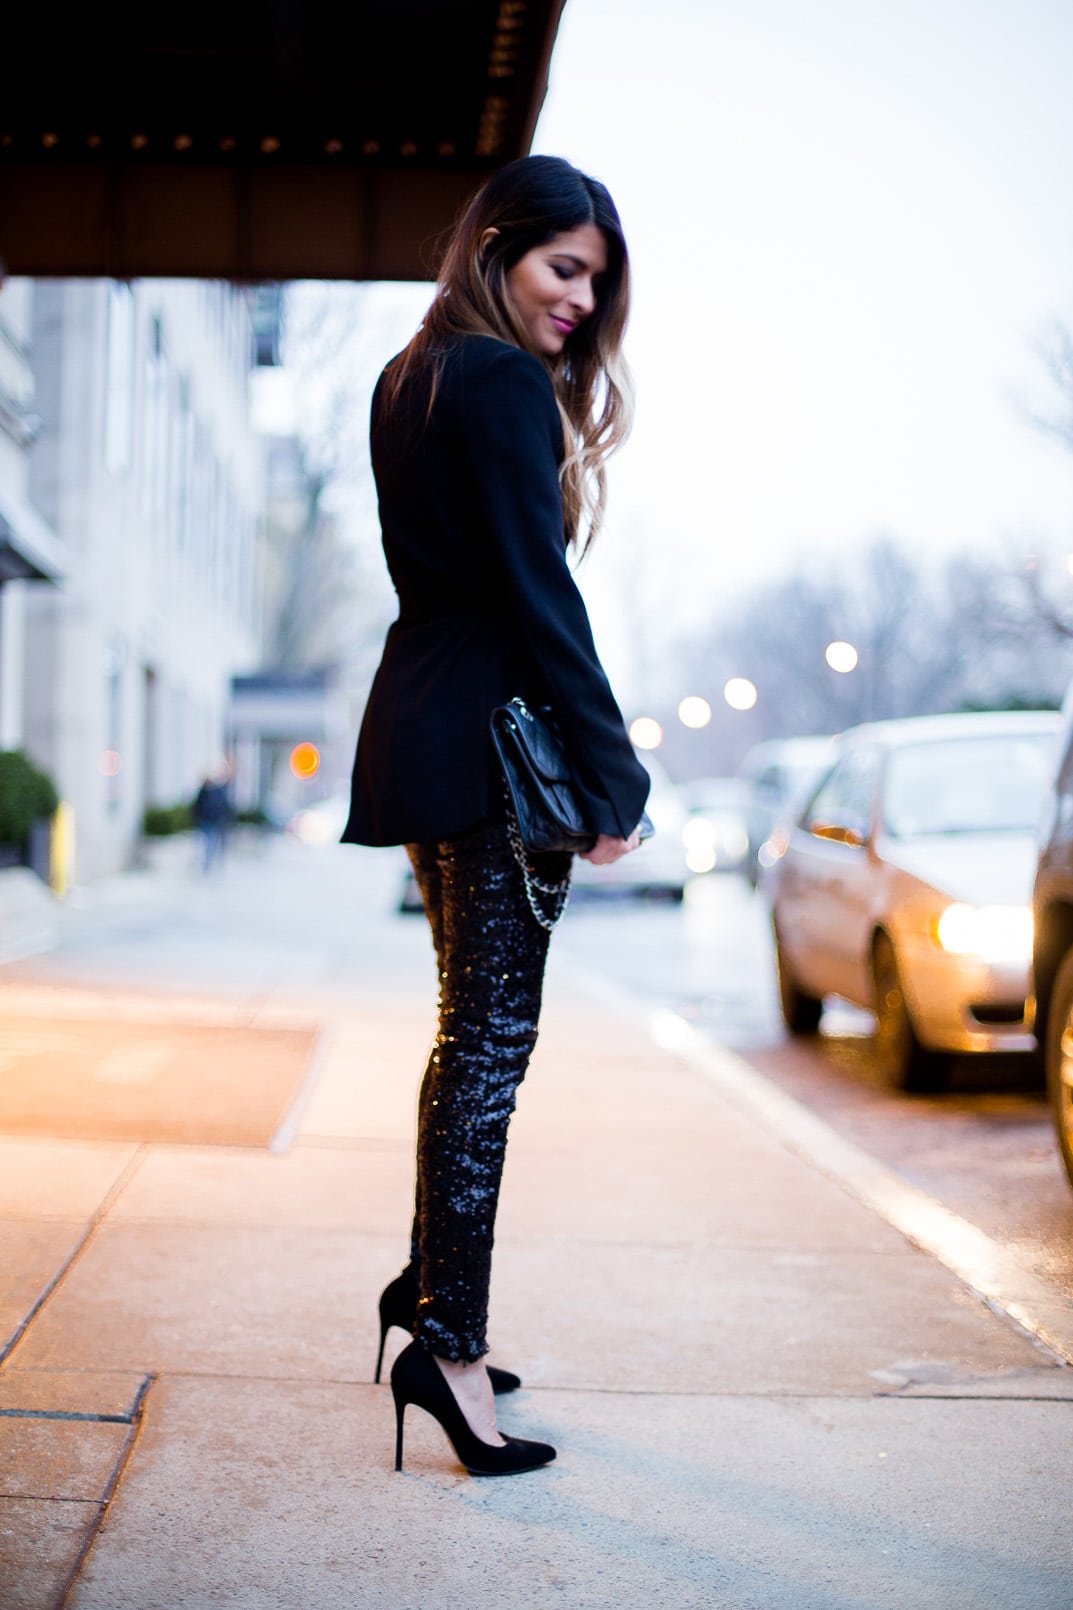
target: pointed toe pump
398 1306
416 1378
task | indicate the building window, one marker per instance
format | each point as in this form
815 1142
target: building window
155 484
183 466
119 380
112 756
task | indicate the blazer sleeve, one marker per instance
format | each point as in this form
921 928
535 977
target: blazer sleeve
513 433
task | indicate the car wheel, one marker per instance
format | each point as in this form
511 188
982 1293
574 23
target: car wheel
1060 1059
801 1012
901 1057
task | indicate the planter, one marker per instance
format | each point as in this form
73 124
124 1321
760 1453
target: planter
35 852
39 849
28 802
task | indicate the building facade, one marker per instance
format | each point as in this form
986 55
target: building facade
148 470
30 556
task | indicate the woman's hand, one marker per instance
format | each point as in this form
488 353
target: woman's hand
608 849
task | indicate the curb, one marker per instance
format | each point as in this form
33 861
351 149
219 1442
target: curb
992 1272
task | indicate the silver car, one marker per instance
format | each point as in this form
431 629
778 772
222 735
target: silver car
1052 962
905 887
659 869
780 772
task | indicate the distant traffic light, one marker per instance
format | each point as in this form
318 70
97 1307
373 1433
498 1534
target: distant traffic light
305 760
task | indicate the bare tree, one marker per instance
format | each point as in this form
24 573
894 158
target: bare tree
880 602
1055 351
1037 592
333 597
311 576
957 637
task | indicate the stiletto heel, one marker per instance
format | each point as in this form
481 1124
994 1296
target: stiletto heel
398 1306
400 1410
417 1378
385 1326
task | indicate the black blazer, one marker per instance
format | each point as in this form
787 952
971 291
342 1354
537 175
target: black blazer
472 521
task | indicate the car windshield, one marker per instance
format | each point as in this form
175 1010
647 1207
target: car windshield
967 785
799 776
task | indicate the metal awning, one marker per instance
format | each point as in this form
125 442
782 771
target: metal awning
29 550
261 139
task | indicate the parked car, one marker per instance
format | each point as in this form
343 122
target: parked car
780 773
322 823
716 830
659 869
1052 957
905 887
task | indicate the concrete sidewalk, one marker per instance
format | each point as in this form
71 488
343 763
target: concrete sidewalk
763 1396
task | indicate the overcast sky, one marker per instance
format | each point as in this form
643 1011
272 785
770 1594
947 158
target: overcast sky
850 223
849 220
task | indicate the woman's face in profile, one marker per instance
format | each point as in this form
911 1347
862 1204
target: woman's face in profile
554 286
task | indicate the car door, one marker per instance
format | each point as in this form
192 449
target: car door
825 887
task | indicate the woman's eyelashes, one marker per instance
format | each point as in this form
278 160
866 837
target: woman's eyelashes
567 275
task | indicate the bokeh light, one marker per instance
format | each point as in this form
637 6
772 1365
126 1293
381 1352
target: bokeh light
700 858
698 835
841 656
305 760
740 693
646 732
694 711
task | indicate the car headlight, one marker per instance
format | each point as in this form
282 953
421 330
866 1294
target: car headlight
700 859
994 933
698 833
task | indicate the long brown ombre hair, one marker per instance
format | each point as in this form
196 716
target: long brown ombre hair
526 204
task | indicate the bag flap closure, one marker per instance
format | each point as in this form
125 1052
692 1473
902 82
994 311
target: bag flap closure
541 746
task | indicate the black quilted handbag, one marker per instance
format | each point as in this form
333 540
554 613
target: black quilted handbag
543 813
538 780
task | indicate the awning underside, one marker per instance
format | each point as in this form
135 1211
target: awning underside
302 138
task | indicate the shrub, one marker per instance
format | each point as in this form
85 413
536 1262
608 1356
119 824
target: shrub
161 820
252 816
26 795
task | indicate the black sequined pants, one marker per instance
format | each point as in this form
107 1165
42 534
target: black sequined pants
490 952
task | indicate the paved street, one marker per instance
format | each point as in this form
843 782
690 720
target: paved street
765 1396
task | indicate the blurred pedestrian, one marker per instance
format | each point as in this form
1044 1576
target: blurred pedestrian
213 815
489 437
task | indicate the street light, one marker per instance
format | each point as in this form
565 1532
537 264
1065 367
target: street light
841 656
646 732
694 711
740 693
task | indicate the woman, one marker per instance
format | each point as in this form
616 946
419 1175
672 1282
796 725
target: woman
489 435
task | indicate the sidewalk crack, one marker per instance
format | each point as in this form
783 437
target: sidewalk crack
97 1218
129 1444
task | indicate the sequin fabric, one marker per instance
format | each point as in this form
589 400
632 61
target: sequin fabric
490 954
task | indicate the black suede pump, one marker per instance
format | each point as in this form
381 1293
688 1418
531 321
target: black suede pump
417 1378
398 1306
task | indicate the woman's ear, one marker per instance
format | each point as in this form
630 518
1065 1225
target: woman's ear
485 241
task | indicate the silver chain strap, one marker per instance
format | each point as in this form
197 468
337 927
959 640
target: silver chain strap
533 884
